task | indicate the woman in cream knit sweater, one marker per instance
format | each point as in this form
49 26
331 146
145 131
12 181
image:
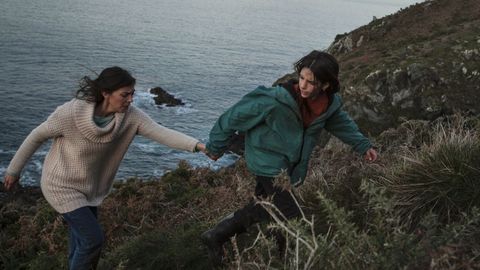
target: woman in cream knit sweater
91 134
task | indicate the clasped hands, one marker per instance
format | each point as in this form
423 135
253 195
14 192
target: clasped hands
201 147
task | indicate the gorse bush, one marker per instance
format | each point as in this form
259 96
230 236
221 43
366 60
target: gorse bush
383 244
178 188
386 242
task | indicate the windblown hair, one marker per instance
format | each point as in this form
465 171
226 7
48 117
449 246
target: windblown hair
324 67
109 80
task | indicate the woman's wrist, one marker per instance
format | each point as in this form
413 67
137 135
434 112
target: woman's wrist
199 147
195 149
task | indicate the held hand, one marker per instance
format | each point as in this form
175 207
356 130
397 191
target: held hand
212 157
10 181
200 147
371 155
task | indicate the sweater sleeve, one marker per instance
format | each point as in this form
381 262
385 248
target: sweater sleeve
169 137
48 129
343 127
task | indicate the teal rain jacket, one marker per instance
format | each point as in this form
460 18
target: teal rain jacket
275 138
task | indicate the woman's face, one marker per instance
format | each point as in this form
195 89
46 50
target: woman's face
119 100
309 87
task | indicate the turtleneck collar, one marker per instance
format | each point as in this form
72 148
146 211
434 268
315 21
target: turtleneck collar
83 112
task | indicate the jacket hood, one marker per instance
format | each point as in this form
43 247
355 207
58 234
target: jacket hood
281 94
278 93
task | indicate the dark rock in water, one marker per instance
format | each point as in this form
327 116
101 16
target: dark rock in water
163 97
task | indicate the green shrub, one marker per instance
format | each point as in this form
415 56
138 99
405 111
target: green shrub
179 187
442 177
178 248
44 261
36 239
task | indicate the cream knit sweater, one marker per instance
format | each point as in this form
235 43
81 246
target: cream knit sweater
80 167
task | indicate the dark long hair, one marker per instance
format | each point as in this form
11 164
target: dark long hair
324 67
109 80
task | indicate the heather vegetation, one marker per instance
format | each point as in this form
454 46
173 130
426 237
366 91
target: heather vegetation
416 208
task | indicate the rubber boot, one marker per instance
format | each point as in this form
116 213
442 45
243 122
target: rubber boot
216 237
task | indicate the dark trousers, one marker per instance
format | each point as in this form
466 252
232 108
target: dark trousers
86 238
282 199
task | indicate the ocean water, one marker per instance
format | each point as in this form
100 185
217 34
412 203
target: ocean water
207 52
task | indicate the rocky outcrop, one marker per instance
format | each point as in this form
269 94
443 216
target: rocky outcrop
343 44
420 63
163 97
388 96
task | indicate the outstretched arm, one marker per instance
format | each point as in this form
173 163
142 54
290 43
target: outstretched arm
242 116
29 146
163 135
343 127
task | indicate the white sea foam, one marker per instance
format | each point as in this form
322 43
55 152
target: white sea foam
143 98
28 179
7 152
146 99
41 153
38 165
146 147
158 172
187 109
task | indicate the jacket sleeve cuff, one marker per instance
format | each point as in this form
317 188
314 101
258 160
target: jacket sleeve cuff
213 150
363 148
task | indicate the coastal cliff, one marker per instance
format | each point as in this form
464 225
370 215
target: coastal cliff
411 80
422 62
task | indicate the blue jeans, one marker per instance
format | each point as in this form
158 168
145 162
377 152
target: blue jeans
86 238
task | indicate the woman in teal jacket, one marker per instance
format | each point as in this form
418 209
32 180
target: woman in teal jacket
281 125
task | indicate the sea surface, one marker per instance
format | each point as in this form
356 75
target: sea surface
207 52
